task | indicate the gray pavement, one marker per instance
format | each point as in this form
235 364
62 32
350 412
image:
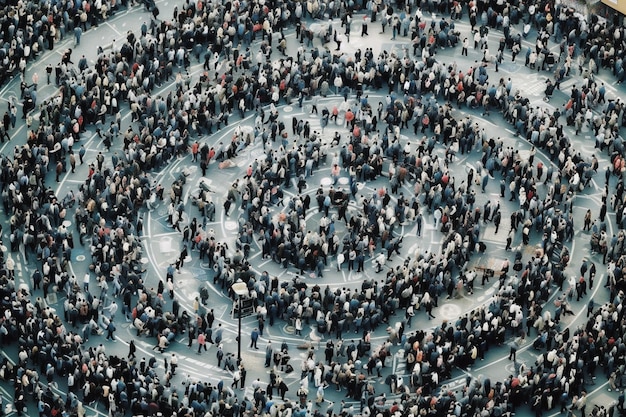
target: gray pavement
162 244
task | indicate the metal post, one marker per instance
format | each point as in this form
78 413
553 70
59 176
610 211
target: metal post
240 289
239 334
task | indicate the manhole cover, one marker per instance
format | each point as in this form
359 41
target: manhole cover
80 258
450 311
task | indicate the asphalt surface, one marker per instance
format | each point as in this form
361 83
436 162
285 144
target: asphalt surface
162 243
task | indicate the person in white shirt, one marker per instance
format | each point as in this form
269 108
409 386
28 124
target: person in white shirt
111 308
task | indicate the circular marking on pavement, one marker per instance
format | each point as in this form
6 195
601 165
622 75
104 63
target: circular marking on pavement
343 180
289 329
144 260
67 223
355 276
326 182
510 367
450 311
230 225
80 258
287 109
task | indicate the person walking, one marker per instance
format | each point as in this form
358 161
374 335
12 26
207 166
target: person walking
298 326
282 388
78 31
10 265
201 342
111 309
418 222
590 307
320 394
59 170
587 221
72 161
592 275
428 305
181 258
236 378
513 350
81 154
132 349
219 355
509 239
110 330
497 218
242 376
563 401
364 27
268 354
465 46
254 337
173 363
218 334
581 404
191 334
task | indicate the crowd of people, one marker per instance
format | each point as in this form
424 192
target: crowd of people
29 28
422 97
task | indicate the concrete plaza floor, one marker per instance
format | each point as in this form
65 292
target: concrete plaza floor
162 244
